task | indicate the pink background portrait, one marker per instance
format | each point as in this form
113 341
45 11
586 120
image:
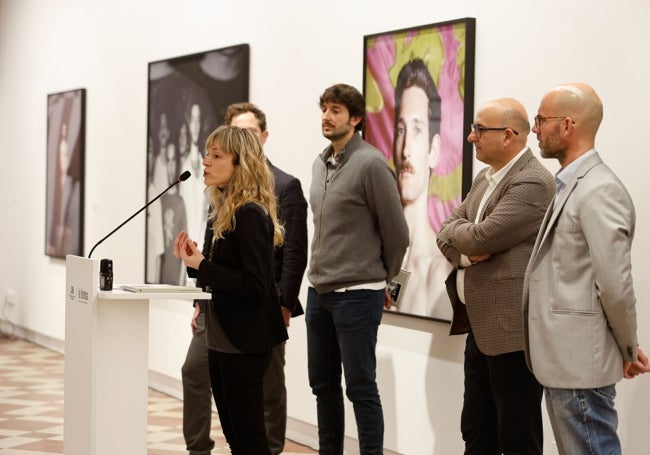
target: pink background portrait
442 48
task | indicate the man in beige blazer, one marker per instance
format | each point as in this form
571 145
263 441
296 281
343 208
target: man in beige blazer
579 304
488 239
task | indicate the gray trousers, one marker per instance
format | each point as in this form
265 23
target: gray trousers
275 401
197 396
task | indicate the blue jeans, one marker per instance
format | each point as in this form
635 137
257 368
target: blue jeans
584 421
342 328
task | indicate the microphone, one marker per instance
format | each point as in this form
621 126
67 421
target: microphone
181 178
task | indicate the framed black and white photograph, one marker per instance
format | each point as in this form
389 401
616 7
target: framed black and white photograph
64 200
419 88
187 100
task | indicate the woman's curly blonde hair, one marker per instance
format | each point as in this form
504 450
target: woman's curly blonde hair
251 182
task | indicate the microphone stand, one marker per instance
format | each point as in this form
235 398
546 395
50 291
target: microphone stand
179 180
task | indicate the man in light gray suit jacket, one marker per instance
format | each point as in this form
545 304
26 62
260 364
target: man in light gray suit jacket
579 304
488 239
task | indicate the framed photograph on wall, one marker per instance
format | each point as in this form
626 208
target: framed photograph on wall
64 200
419 89
188 97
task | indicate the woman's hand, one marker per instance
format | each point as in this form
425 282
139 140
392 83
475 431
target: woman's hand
180 239
186 250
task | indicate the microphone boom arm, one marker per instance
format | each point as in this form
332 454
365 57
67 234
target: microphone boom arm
180 179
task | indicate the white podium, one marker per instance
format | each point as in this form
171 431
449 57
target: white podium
106 363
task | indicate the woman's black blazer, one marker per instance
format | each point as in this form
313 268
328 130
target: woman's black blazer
240 275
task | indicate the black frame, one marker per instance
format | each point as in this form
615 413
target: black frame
447 50
65 187
192 93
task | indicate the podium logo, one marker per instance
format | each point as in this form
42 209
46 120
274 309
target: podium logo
80 294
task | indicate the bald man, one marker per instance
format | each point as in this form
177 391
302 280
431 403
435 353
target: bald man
579 304
488 240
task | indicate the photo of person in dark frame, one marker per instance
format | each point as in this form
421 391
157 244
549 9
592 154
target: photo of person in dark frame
188 97
413 86
416 149
63 200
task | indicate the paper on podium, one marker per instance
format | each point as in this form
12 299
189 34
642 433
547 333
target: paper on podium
158 288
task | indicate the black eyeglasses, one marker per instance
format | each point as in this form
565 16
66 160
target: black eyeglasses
478 129
540 119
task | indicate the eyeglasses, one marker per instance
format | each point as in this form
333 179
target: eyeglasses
479 129
540 119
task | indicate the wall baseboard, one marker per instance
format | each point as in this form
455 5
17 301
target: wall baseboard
48 342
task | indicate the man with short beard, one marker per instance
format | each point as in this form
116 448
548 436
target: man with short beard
579 304
360 237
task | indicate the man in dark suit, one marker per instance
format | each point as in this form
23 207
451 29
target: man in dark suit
488 239
290 264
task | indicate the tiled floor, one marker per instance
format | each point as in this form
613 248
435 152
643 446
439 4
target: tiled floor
31 407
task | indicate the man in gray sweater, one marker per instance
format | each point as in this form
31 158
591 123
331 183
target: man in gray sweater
360 237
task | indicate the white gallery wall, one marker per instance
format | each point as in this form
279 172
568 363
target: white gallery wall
298 48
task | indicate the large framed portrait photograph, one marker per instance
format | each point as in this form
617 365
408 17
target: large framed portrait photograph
64 200
188 97
419 89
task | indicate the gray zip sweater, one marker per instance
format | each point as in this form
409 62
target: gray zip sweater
360 234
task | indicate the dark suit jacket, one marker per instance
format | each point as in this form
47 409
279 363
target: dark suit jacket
240 275
291 257
507 230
